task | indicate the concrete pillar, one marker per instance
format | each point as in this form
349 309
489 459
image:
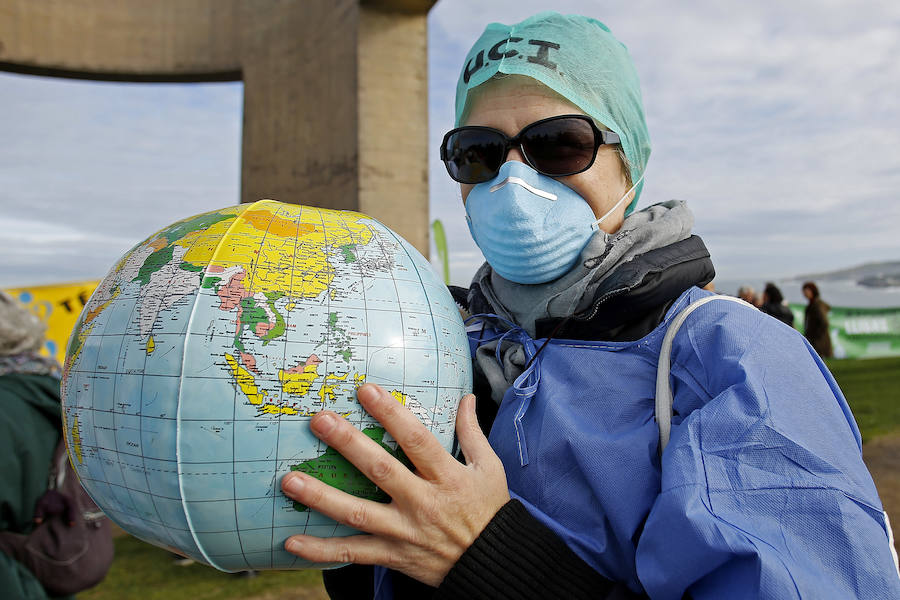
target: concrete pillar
335 91
392 132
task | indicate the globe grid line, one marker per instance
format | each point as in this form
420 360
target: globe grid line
327 293
178 430
299 219
234 434
143 379
328 335
115 380
94 428
437 362
273 486
270 494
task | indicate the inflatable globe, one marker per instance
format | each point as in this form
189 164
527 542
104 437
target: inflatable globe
196 365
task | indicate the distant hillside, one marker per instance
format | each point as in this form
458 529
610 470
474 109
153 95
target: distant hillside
880 274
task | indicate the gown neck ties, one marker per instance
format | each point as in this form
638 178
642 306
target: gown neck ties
526 384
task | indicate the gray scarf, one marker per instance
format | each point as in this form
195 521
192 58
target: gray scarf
651 228
29 363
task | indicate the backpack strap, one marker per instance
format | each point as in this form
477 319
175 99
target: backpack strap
663 389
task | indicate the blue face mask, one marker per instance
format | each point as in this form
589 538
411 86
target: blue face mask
530 227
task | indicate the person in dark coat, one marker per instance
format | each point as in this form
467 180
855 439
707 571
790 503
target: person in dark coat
29 432
773 304
815 321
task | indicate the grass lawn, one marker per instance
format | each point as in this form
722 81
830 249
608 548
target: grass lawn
145 572
872 388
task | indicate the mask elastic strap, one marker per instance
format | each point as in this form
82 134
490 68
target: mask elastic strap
596 224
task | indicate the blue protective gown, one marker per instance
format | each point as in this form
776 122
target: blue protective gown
761 492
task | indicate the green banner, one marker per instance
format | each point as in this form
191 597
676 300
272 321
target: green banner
860 332
440 242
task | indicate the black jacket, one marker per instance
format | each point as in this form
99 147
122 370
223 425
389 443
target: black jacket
779 311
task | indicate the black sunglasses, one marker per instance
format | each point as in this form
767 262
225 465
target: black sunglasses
558 146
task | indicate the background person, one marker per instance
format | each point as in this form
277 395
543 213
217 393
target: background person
815 321
748 295
773 304
29 432
570 497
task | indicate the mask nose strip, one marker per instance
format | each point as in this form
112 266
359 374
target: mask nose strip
521 182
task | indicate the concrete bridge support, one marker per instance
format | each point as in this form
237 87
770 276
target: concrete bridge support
335 91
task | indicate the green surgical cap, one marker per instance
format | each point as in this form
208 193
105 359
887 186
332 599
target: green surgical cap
579 59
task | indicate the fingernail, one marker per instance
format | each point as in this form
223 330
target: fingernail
293 484
324 423
366 392
292 545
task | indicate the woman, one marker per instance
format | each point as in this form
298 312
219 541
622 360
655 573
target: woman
773 305
815 321
29 432
571 496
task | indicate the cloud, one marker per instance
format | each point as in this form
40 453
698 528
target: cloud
100 166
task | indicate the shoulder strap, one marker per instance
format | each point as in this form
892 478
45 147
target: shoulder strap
663 390
57 475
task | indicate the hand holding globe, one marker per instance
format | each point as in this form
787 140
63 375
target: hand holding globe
436 513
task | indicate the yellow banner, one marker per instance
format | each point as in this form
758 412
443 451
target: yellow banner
58 306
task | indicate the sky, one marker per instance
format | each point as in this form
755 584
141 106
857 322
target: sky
778 123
